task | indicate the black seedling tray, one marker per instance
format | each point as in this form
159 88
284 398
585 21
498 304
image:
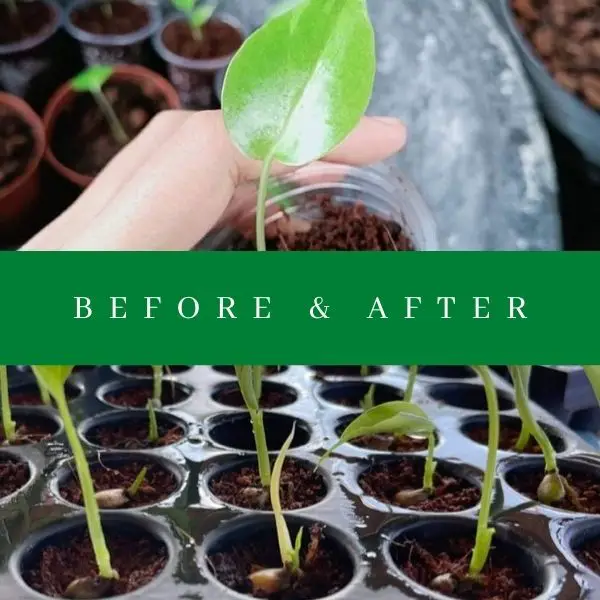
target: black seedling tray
193 521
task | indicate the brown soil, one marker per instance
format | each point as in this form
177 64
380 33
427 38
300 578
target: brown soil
566 36
343 371
31 430
589 554
329 570
138 396
388 442
271 397
509 434
30 396
133 435
137 557
146 371
14 475
267 370
300 487
452 493
585 485
217 40
159 483
33 19
17 145
82 138
502 577
124 17
352 393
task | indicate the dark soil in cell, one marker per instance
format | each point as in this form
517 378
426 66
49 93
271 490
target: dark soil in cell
133 435
589 554
17 145
146 371
509 434
30 395
82 138
502 578
451 494
217 40
327 569
386 442
585 486
122 18
447 371
31 430
273 396
33 18
14 475
300 487
351 394
138 558
138 396
343 371
159 483
83 368
267 370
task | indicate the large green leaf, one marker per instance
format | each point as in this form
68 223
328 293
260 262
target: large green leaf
53 377
300 84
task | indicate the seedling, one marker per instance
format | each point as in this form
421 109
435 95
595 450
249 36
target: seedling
106 8
152 423
593 375
8 424
410 386
92 80
325 61
196 15
369 400
157 372
53 378
120 497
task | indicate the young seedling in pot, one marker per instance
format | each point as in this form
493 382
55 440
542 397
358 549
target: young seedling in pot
369 400
119 497
8 425
397 418
153 436
196 15
92 80
53 378
326 64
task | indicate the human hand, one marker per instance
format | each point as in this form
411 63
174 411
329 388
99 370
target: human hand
173 183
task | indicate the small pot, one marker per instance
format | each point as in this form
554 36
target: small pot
129 48
19 196
194 79
65 95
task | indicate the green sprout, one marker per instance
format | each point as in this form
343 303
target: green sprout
119 497
325 62
157 373
92 80
152 423
196 16
7 423
107 10
410 386
53 378
593 374
369 400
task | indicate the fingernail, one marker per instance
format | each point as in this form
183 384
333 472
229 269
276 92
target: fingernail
390 121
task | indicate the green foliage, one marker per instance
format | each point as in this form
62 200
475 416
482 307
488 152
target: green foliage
92 79
7 423
593 375
152 423
135 486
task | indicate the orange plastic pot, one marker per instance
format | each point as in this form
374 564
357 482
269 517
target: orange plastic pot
64 96
19 196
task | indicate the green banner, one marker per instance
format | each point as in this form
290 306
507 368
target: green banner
299 308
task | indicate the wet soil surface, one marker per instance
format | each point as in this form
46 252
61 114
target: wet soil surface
32 19
272 397
343 371
17 145
14 475
159 483
300 487
267 370
82 138
137 397
138 558
133 435
585 485
115 18
509 434
451 494
326 568
502 577
31 430
216 40
146 371
589 554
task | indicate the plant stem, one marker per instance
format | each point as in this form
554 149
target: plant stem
152 423
133 489
593 374
257 373
7 422
529 423
92 512
196 32
364 371
369 399
262 450
429 464
525 433
412 377
106 8
261 203
483 537
157 372
111 117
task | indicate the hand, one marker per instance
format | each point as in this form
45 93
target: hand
173 183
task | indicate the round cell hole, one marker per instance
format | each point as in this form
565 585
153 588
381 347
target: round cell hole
54 556
146 370
469 396
15 474
32 426
129 430
583 479
445 371
238 483
268 370
84 368
583 539
235 431
384 442
234 551
351 394
345 370
429 550
118 471
136 395
29 394
274 395
476 428
395 481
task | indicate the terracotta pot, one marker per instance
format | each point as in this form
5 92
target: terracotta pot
65 95
17 198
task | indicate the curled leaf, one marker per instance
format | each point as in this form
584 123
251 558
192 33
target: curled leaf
92 79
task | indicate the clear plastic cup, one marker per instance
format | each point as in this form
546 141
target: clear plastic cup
131 48
383 189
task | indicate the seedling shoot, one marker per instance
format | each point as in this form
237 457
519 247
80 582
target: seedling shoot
196 15
8 424
152 423
119 497
410 386
157 372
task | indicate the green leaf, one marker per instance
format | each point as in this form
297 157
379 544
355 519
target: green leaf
184 6
201 15
92 79
133 489
399 418
300 84
593 375
53 377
